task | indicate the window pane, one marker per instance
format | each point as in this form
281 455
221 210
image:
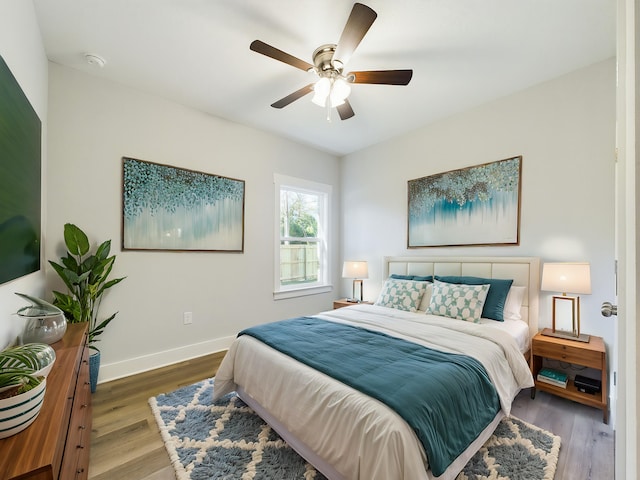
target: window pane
299 263
302 226
299 214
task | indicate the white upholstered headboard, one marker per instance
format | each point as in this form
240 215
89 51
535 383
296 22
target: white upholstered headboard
525 271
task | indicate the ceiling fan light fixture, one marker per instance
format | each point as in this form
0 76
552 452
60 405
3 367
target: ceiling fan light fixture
340 90
329 60
321 91
335 90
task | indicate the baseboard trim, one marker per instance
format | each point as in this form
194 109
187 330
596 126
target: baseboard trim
144 363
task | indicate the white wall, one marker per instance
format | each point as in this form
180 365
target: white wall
565 131
22 50
93 123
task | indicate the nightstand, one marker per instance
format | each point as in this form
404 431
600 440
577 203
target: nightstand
592 355
343 303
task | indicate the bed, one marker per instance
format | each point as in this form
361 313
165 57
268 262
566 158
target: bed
347 434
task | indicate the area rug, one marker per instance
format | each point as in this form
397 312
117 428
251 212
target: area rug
225 439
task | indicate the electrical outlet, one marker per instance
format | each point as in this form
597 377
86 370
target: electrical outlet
187 318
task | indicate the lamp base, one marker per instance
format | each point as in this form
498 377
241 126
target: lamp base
352 300
566 335
357 292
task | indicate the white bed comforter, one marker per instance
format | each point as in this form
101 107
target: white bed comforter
359 436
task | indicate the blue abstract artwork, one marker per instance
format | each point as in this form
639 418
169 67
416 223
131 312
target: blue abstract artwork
170 208
478 205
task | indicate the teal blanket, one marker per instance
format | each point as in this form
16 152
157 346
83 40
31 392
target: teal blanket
447 399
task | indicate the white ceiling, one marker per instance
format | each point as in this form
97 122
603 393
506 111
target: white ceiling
196 52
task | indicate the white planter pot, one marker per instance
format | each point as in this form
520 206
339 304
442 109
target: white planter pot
17 413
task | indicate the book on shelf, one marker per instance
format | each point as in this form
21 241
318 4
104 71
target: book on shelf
553 377
550 381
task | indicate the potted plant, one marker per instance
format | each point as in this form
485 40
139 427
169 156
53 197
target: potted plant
23 371
86 275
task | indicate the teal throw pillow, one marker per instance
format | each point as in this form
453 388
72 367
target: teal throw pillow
417 278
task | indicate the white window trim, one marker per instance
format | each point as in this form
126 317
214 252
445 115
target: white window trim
323 285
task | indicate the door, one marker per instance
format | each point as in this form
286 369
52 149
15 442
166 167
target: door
627 222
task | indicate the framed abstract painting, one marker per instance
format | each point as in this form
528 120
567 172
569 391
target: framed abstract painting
171 208
478 205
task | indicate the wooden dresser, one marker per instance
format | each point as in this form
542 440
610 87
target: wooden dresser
56 445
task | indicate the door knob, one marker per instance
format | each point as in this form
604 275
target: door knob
608 309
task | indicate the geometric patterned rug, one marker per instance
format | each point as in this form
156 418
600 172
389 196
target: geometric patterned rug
227 440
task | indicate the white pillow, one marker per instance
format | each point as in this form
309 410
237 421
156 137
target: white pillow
401 294
463 302
513 303
426 297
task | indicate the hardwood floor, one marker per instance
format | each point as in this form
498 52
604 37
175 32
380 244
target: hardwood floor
126 445
587 448
125 442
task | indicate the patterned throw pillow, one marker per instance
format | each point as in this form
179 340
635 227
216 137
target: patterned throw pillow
463 302
401 294
498 289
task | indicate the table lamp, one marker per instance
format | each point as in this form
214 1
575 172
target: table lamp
566 278
357 270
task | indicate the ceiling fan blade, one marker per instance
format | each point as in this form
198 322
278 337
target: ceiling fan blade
358 23
266 49
292 97
345 111
382 77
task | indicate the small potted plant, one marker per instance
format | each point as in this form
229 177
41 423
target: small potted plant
23 371
86 275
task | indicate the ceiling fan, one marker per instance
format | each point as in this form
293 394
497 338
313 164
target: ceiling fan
333 86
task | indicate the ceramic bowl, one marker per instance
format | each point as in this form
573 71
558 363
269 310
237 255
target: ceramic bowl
20 411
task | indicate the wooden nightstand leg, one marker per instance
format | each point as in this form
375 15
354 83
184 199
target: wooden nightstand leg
533 393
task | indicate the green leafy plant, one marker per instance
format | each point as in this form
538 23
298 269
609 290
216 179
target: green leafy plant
86 276
18 366
34 356
21 379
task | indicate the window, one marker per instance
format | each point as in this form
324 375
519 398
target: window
301 251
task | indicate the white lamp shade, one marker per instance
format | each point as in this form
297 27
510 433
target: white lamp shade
355 269
566 278
339 92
